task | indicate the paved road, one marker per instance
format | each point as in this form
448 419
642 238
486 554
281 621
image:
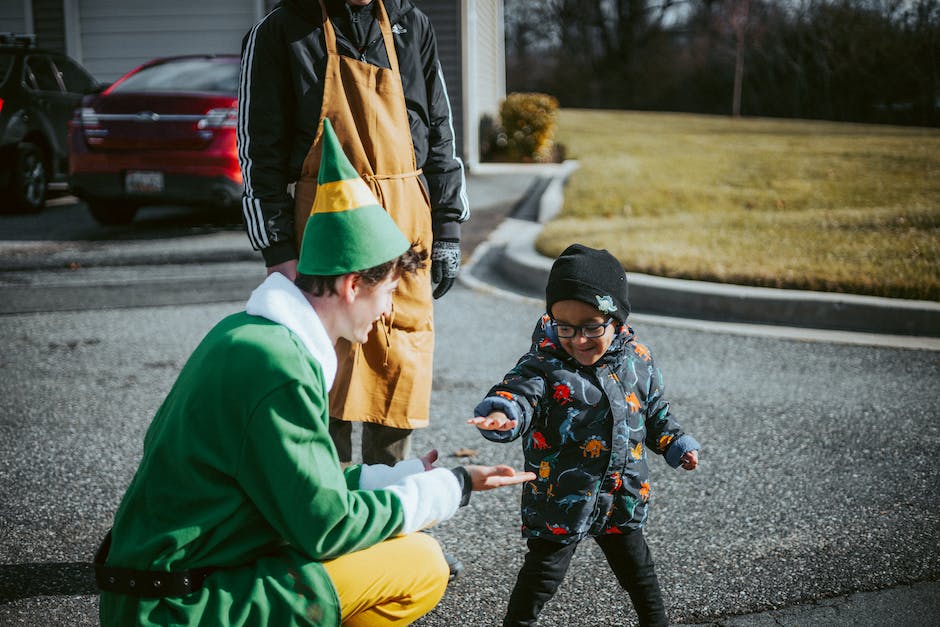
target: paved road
169 255
819 474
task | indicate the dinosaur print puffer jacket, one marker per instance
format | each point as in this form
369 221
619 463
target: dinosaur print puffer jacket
586 432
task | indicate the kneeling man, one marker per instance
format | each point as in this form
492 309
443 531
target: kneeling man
240 513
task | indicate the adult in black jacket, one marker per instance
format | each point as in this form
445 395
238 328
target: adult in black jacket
285 71
280 97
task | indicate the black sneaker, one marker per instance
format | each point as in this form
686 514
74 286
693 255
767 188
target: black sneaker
455 566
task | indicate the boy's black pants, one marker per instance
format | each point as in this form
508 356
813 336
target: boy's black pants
547 562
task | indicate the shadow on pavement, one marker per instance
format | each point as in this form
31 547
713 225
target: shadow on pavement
20 581
174 221
71 221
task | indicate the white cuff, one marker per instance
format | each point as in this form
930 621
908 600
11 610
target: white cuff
378 476
427 498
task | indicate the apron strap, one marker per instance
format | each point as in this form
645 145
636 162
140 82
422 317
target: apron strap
387 36
393 177
329 35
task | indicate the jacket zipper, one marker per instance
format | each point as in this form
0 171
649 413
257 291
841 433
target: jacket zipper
365 49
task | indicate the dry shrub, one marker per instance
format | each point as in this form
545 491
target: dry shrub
526 129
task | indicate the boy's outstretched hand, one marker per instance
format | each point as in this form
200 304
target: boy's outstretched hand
689 461
496 421
489 477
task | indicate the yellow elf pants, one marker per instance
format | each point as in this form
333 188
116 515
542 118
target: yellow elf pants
391 583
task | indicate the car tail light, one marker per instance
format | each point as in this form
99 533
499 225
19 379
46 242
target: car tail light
232 166
232 170
1 104
218 118
87 120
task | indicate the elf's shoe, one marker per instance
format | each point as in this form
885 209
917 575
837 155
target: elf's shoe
455 566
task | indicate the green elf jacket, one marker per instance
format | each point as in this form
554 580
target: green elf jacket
239 473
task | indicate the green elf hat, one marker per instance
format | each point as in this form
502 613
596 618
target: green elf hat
347 230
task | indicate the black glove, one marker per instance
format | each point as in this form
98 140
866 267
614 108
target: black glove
445 263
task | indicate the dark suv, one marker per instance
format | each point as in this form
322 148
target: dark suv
39 89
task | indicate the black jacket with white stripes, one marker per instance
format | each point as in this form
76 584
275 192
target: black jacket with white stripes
280 97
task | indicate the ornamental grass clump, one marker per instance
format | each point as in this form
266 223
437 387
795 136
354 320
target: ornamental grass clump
526 129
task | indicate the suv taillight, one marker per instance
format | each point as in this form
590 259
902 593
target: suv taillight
87 120
1 104
218 118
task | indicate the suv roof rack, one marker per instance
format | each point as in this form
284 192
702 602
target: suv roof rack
12 39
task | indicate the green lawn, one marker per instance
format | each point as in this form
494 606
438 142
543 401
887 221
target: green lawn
781 203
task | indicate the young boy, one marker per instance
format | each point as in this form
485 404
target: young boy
588 401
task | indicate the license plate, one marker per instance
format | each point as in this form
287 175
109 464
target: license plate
143 182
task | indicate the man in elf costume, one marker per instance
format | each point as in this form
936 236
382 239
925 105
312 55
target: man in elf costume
240 513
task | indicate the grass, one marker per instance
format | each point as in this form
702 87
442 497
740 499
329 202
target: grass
780 203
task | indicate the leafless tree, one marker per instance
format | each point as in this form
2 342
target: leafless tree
865 60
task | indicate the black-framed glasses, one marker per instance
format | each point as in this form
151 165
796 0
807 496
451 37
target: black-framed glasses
591 330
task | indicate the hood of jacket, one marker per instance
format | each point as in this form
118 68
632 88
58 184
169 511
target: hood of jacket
310 9
279 300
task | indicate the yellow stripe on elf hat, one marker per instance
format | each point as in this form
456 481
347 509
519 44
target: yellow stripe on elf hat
347 231
342 196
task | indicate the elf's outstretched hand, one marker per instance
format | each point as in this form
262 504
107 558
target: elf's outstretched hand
429 458
489 477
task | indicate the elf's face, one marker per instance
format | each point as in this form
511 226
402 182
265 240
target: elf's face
372 303
575 313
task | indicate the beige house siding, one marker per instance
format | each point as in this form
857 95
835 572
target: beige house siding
110 37
16 16
116 36
49 23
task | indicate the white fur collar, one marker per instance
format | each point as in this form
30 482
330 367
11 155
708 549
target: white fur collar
280 301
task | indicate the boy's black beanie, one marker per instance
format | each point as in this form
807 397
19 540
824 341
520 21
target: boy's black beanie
592 276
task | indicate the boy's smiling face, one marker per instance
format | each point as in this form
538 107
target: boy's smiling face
577 313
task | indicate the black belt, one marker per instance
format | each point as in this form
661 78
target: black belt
149 584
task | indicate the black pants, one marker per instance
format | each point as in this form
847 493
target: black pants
547 562
380 444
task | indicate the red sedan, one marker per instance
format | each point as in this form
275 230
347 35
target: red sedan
164 133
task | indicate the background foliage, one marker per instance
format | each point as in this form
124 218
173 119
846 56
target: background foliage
849 60
525 131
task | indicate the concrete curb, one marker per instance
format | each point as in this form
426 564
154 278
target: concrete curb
524 268
521 264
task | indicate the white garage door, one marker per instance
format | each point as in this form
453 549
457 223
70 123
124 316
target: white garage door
13 17
118 35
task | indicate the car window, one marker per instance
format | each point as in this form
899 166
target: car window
74 77
40 74
6 66
183 75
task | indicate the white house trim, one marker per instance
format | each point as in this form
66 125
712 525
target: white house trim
468 39
29 25
73 33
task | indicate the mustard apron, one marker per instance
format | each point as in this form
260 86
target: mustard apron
387 380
